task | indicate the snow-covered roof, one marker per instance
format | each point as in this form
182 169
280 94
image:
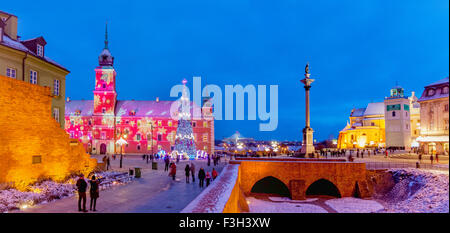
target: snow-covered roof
438 89
86 107
374 109
142 108
7 41
358 112
442 81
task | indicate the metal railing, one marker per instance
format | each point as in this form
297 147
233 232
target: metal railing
389 165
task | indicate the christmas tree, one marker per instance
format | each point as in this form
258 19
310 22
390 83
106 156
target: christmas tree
184 140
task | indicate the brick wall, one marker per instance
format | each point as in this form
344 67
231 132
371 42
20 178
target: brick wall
27 129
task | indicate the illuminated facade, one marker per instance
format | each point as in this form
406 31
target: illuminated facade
368 127
434 135
147 126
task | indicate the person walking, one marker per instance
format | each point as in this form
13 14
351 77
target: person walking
420 157
386 153
431 159
208 178
187 171
108 163
201 177
94 192
209 161
214 174
166 161
192 167
173 171
81 186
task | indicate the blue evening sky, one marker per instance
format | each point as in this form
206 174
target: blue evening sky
357 50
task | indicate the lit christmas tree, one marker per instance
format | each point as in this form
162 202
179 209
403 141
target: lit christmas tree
184 140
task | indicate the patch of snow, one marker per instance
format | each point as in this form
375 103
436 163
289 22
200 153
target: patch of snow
47 191
418 191
287 199
261 206
354 205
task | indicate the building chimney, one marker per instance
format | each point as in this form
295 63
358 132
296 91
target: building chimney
11 24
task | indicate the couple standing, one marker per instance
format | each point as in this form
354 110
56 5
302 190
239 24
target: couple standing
94 192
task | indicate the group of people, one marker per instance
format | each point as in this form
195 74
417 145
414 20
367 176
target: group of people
94 191
202 175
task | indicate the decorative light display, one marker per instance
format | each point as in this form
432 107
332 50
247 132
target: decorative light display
184 140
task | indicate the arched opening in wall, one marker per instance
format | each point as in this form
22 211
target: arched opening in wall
271 185
103 148
323 187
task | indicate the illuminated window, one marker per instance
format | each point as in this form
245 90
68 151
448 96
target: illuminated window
56 87
33 77
56 114
159 123
40 50
205 124
169 123
103 135
10 72
205 137
138 137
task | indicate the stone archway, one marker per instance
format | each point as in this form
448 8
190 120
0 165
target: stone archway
323 187
271 185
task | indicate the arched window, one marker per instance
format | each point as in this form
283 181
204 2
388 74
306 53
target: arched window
393 113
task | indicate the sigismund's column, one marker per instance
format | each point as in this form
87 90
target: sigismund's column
307 143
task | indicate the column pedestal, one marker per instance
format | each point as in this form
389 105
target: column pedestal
307 142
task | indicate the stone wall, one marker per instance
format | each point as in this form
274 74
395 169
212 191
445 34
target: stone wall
32 144
298 176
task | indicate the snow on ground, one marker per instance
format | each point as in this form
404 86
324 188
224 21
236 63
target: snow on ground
354 205
261 206
47 191
418 191
287 199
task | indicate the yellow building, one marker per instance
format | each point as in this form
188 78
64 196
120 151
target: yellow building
367 126
26 60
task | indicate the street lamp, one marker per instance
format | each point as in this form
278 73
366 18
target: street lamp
121 142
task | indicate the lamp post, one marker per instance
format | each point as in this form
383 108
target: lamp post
121 142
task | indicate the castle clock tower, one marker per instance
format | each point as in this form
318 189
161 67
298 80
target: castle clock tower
105 98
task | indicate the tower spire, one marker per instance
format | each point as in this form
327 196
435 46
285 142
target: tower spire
106 35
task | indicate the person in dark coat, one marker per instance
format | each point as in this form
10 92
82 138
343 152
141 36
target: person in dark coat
166 161
201 177
81 186
187 171
94 192
209 161
192 167
108 163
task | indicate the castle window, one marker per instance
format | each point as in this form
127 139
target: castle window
104 86
205 124
169 123
445 90
159 137
194 124
10 72
205 137
372 123
138 137
393 113
40 50
159 123
33 77
138 147
103 110
103 135
36 159
56 86
56 114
